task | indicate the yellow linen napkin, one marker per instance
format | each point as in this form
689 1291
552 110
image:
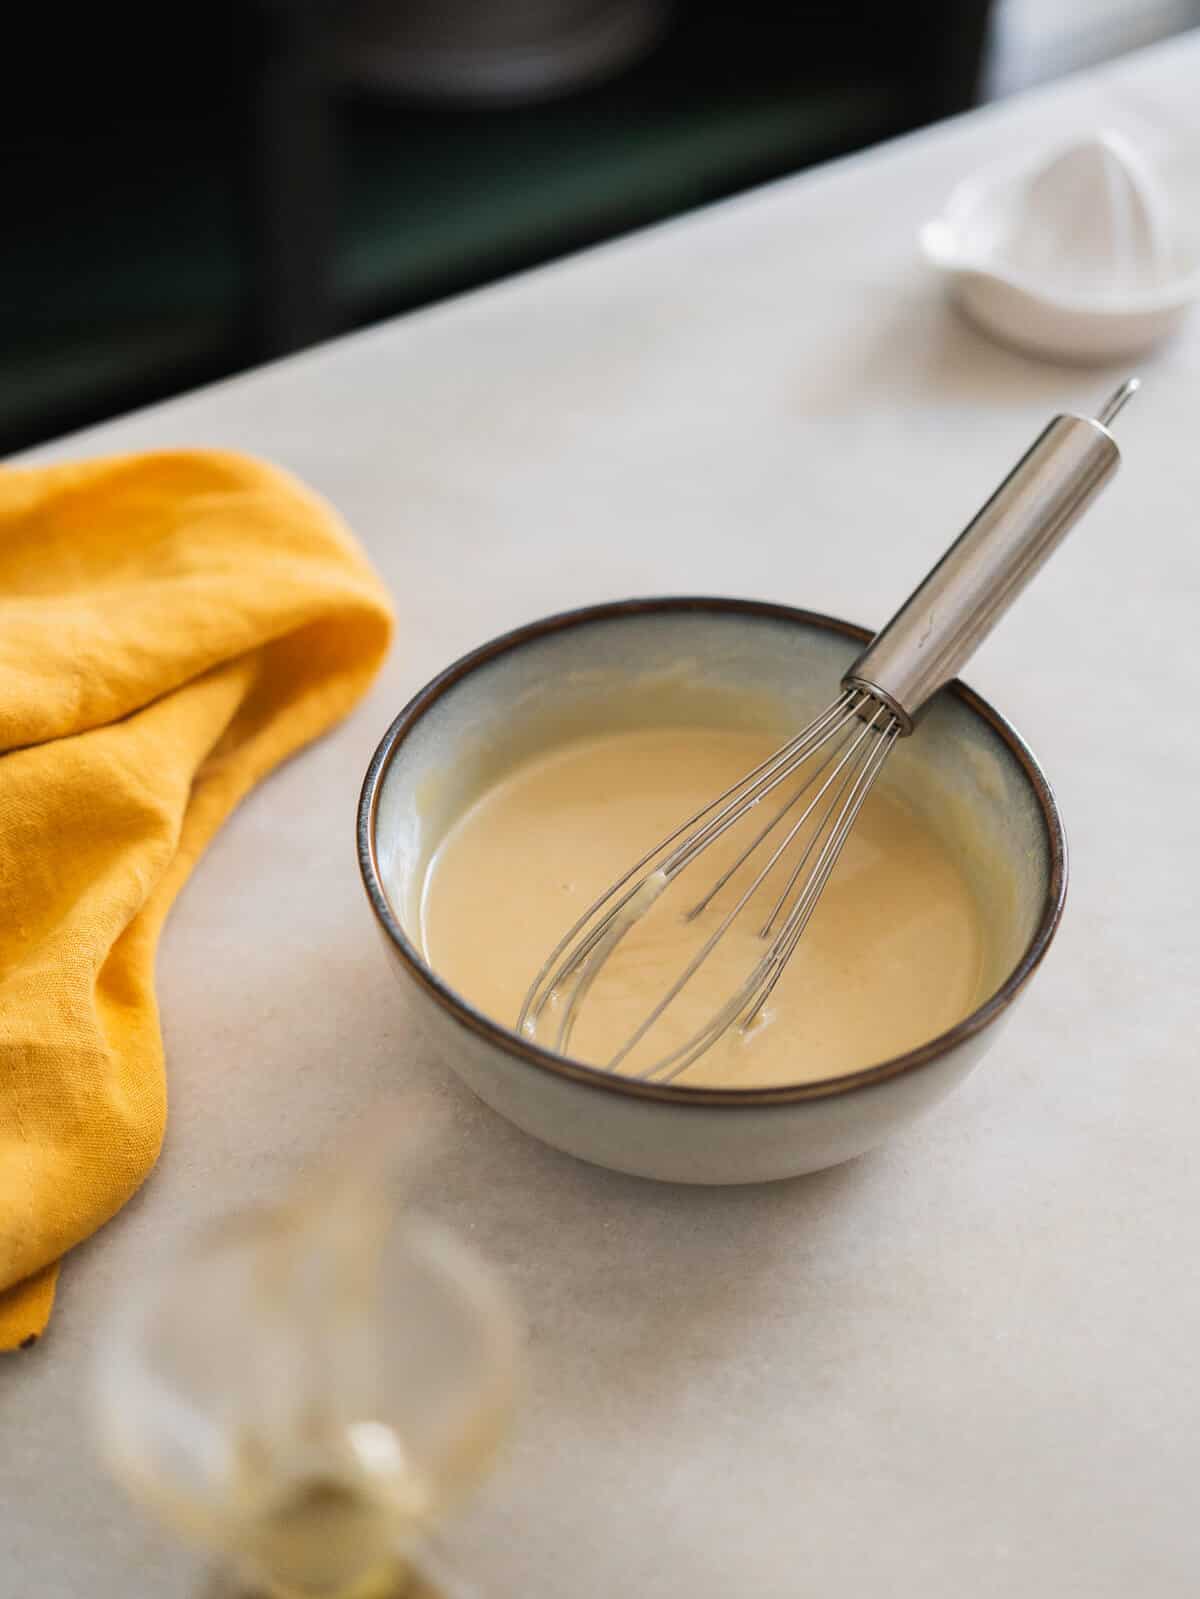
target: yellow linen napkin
171 627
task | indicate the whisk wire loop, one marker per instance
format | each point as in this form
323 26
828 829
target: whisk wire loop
602 917
714 938
830 756
834 828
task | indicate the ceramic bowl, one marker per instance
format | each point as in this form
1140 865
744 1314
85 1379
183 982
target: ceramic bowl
1053 326
717 662
1076 253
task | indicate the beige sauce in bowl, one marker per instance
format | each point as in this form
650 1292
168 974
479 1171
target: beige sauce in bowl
893 955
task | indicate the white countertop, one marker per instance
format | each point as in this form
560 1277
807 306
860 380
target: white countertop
963 1367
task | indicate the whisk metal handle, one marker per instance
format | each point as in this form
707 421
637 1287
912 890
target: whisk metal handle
942 623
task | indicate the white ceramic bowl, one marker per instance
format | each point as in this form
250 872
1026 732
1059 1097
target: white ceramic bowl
1076 253
639 663
1052 326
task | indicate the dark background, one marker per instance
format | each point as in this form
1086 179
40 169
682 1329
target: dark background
193 190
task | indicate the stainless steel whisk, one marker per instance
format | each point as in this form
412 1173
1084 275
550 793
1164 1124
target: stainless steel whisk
839 755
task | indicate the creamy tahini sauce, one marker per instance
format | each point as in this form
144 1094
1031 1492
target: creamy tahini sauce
892 957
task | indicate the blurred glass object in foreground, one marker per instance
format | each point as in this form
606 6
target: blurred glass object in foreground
310 1386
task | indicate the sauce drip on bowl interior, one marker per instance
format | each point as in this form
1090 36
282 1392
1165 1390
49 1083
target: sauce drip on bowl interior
892 957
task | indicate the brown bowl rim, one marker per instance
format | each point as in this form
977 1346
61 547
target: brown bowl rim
531 1054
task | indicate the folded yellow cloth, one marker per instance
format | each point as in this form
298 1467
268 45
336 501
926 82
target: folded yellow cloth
171 627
